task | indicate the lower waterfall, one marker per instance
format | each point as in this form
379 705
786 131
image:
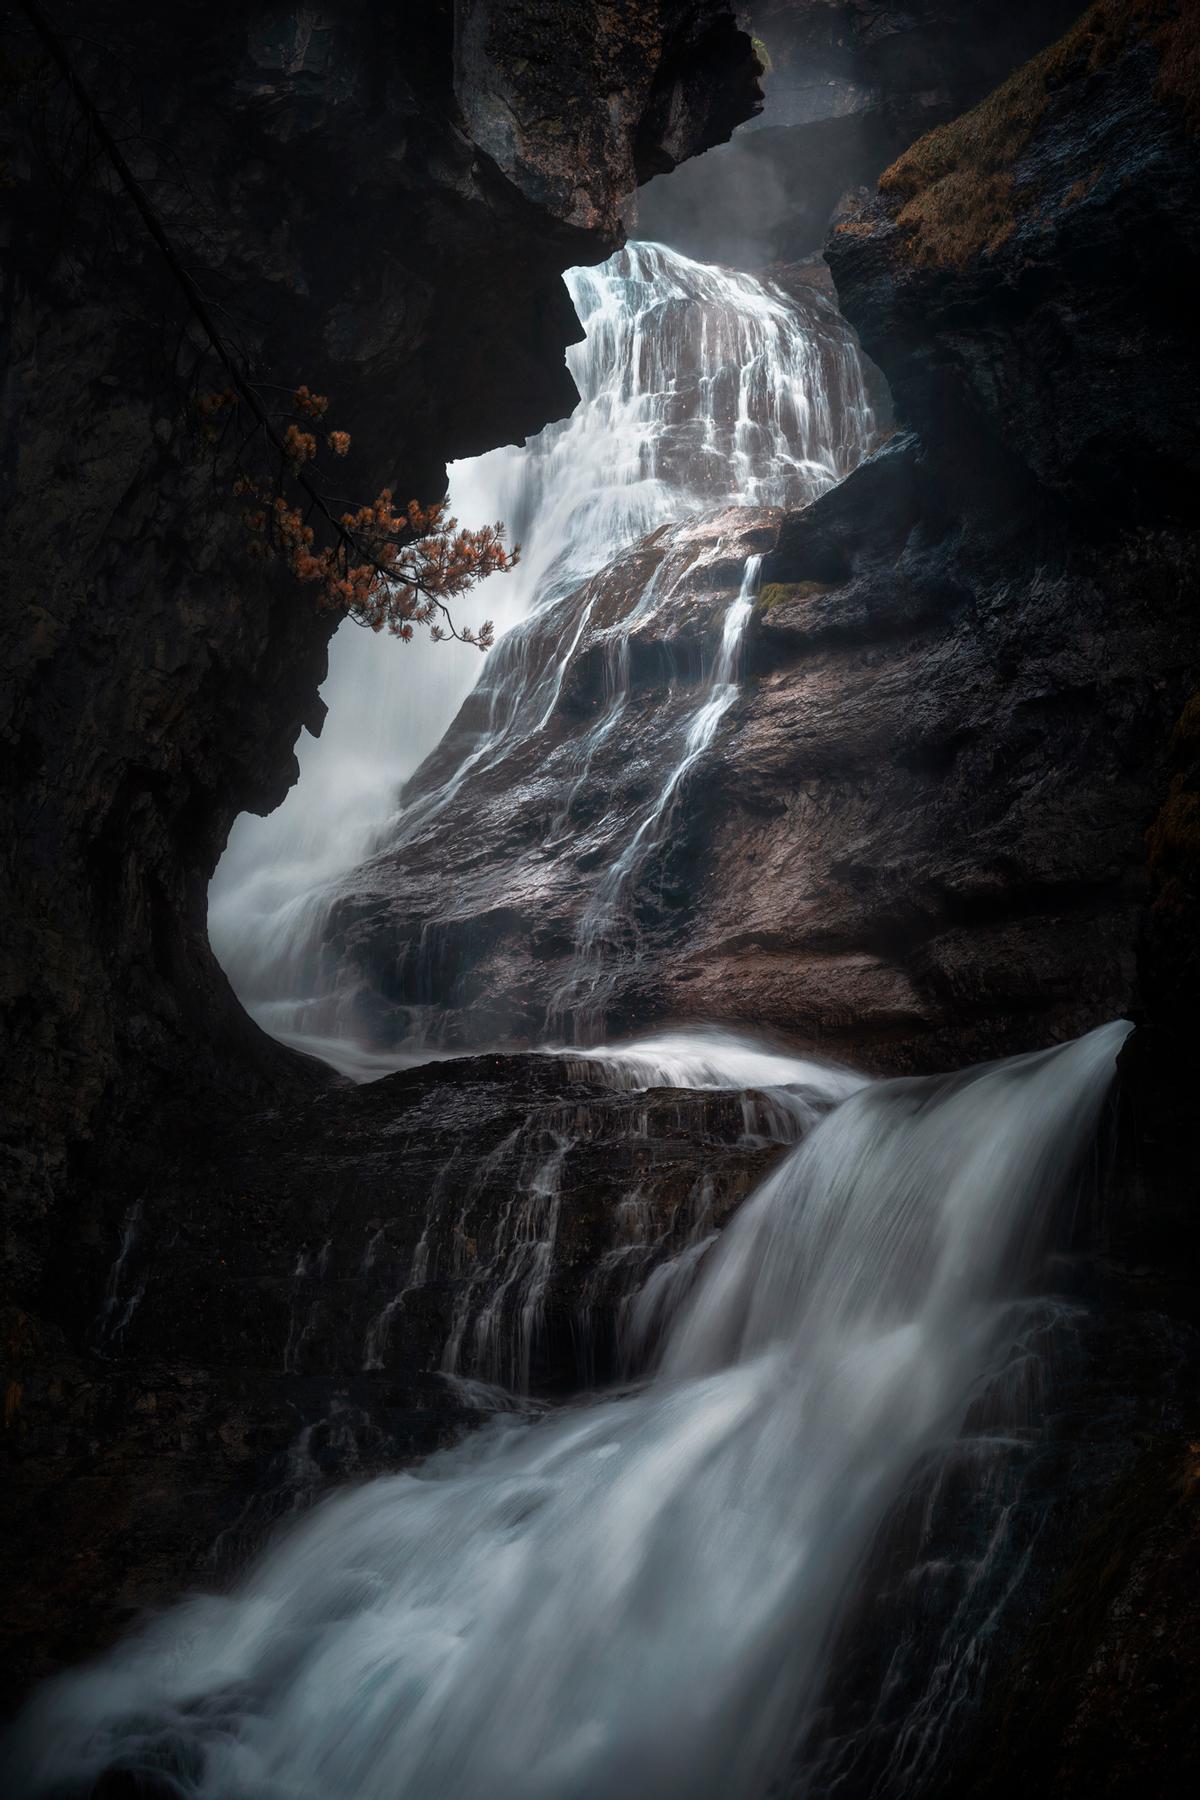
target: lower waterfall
633 1595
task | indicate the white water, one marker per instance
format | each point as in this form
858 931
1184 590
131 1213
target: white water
709 1057
699 387
633 1596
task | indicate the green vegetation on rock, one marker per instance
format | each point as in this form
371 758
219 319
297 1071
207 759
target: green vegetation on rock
779 593
957 186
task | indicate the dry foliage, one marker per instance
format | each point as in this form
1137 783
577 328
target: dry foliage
383 565
956 184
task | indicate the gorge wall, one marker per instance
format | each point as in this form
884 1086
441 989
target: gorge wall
922 831
919 836
380 208
362 223
848 86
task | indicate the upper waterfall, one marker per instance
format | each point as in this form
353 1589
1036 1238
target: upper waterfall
699 388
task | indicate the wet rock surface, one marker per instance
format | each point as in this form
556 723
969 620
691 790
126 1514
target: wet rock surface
1102 1704
919 837
290 1302
468 930
994 1598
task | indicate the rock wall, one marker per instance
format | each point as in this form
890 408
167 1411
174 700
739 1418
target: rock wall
283 1300
917 841
849 84
379 205
919 837
339 189
1022 278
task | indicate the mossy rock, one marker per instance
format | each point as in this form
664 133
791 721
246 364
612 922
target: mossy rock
956 187
779 593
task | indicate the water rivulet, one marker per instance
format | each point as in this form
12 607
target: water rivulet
633 1595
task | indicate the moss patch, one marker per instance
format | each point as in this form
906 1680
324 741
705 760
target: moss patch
778 593
956 184
1079 190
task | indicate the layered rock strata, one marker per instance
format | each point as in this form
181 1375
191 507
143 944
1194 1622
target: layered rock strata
335 1293
919 833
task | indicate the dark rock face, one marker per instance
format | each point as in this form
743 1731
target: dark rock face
1018 699
1064 214
321 176
1000 1584
1021 278
848 87
280 1309
535 80
1021 281
916 840
1103 1705
332 181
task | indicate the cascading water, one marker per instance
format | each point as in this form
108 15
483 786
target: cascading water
636 1594
700 387
491 1225
633 1596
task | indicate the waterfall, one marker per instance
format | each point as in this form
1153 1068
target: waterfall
699 388
633 1595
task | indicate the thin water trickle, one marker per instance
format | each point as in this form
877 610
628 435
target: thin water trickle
606 939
